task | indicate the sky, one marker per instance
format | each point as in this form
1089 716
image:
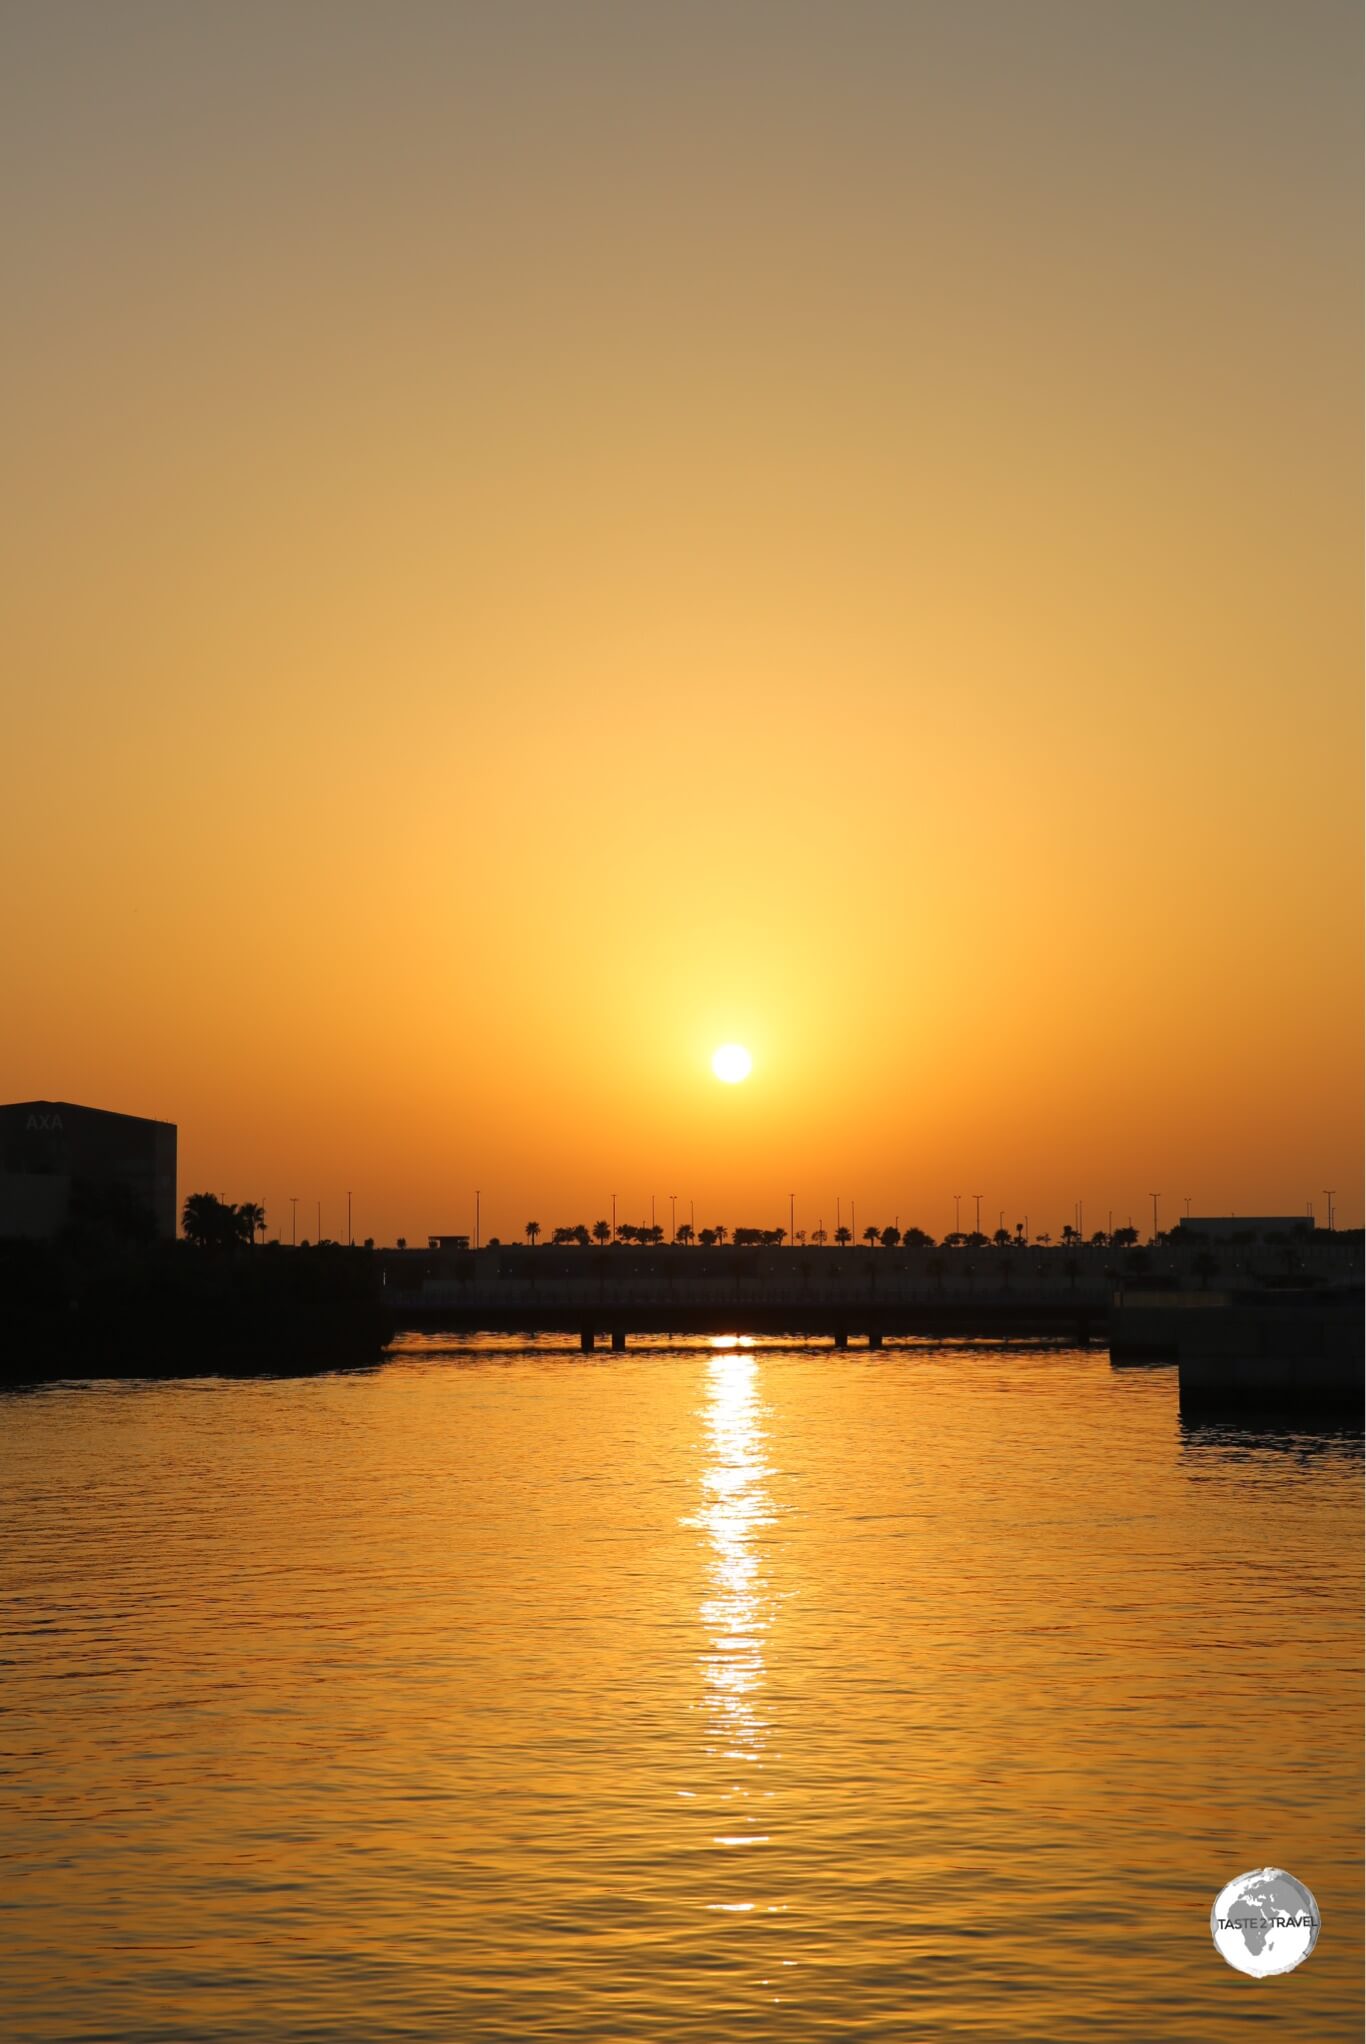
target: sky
544 538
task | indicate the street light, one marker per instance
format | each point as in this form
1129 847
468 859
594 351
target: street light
1328 1192
673 1216
977 1224
791 1215
614 1217
294 1220
350 1239
476 1216
956 1228
1154 1197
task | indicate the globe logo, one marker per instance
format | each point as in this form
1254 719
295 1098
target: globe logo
1265 1922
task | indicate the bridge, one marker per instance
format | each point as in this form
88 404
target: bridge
613 1309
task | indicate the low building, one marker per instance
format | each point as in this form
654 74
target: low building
55 1155
1241 1227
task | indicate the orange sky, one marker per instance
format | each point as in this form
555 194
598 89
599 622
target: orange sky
543 540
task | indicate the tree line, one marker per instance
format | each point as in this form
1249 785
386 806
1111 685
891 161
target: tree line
652 1234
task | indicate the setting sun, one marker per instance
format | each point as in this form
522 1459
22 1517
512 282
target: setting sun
732 1062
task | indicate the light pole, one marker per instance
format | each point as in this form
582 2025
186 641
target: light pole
977 1224
673 1217
791 1215
350 1240
1328 1192
614 1217
1154 1197
476 1216
692 1222
652 1213
1188 1206
319 1236
294 1220
957 1197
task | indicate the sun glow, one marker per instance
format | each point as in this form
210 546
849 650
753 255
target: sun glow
732 1062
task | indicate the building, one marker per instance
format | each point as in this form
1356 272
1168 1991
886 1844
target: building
1241 1227
54 1154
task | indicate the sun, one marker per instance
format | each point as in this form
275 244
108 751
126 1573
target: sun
732 1062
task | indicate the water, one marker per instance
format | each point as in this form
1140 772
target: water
691 1694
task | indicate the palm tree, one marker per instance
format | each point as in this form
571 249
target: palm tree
820 1237
684 1235
251 1220
708 1238
533 1229
201 1219
719 1232
213 1223
602 1231
842 1235
890 1237
870 1235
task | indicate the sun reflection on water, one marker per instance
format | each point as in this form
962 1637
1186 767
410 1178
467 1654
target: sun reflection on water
735 1607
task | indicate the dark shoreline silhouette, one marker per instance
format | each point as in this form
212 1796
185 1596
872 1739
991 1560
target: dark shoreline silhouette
105 1299
167 1309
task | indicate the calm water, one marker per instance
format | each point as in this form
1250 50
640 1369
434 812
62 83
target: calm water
691 1694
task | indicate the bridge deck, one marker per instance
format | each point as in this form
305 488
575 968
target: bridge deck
621 1311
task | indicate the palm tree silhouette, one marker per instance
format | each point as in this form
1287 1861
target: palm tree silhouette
533 1229
251 1220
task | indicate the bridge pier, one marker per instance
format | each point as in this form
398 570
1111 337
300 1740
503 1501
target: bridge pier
618 1339
841 1338
587 1340
875 1341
